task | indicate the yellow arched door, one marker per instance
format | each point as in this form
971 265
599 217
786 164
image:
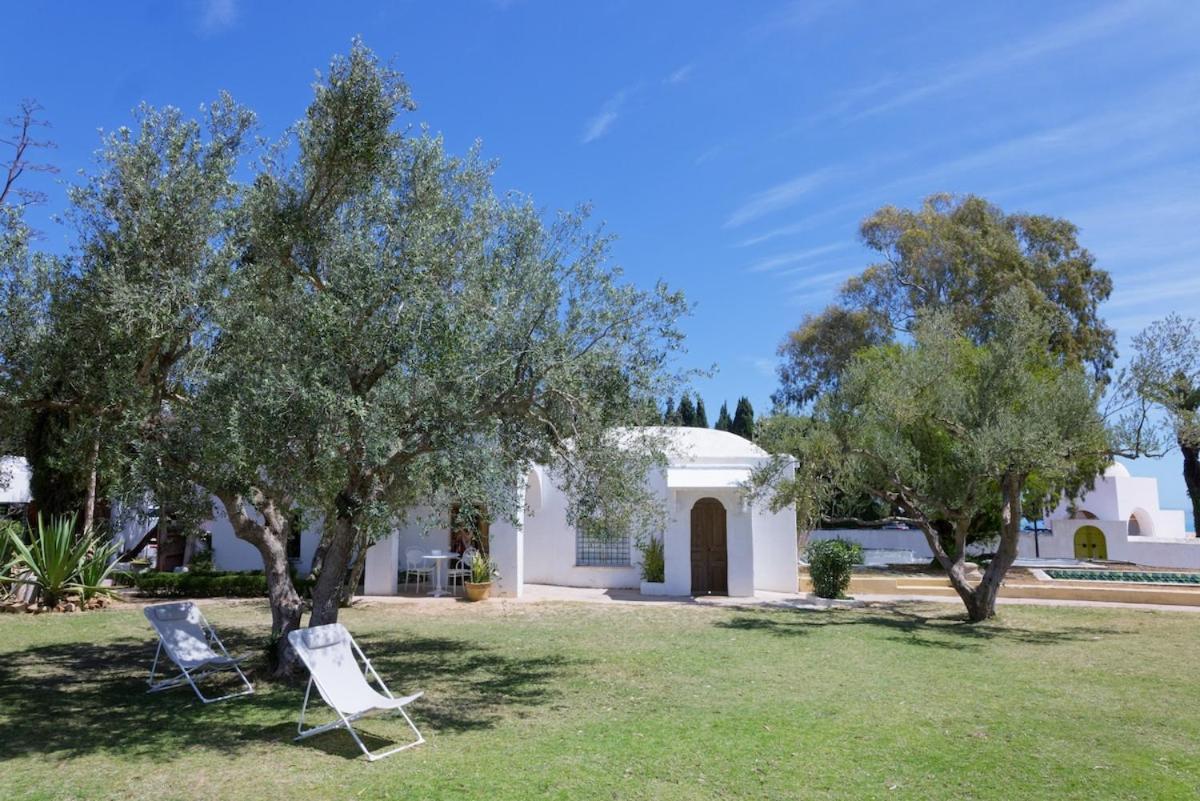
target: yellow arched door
1090 543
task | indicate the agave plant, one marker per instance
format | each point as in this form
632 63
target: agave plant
51 561
97 565
6 556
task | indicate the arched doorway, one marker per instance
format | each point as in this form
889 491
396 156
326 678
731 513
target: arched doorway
710 558
1090 543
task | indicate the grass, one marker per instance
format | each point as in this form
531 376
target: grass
578 701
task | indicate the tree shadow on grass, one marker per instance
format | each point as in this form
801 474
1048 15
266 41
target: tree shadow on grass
908 626
75 699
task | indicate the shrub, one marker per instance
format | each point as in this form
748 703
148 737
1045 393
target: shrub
654 563
829 565
204 584
483 568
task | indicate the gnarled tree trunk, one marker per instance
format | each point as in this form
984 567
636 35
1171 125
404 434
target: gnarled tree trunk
980 599
270 539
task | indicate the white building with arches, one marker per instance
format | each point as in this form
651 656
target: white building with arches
715 541
1118 519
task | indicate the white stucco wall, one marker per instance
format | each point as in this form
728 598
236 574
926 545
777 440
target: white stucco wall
14 480
541 549
1164 552
231 553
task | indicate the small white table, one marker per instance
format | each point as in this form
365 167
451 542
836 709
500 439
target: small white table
441 562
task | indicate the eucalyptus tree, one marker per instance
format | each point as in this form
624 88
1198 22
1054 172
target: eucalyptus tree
425 337
961 255
945 429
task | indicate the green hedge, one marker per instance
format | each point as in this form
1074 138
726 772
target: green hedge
204 584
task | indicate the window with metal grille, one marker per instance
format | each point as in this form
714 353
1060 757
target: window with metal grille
595 551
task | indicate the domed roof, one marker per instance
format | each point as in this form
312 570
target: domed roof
707 444
1116 470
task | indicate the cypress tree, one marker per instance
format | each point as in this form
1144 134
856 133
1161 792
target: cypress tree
743 419
701 420
670 416
723 421
687 411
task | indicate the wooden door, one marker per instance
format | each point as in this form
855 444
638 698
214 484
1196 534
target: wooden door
710 557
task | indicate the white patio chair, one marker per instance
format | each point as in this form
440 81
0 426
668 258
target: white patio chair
461 571
193 645
329 654
415 565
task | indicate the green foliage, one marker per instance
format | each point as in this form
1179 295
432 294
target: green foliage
945 431
960 255
830 564
743 419
724 421
671 415
56 561
654 564
204 585
94 570
1160 393
701 418
483 568
687 411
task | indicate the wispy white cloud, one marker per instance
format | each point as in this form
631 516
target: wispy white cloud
785 259
777 197
680 75
795 16
1080 30
603 120
217 15
708 155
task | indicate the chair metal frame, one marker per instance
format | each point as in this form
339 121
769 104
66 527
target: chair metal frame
224 661
346 721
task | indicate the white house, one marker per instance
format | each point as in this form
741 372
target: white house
14 482
715 541
1118 519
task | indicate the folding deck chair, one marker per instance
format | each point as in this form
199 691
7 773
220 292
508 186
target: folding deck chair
189 641
329 654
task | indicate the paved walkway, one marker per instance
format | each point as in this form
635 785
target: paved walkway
540 593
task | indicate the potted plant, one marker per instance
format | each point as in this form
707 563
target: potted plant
654 566
483 570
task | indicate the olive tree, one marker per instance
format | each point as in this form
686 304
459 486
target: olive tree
401 331
943 428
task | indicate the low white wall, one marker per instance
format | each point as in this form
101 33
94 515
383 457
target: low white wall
1149 551
890 538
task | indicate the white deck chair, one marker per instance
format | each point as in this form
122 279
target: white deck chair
189 641
329 654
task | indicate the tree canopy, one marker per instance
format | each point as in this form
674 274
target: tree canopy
945 429
961 255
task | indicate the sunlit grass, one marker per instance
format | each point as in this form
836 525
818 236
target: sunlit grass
633 701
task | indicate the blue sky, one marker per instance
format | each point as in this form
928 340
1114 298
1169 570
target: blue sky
733 147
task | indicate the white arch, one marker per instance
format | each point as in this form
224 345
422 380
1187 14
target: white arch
1141 524
533 490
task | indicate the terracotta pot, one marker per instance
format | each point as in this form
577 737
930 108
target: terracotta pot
477 592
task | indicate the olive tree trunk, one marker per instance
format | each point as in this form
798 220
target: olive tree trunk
270 539
980 599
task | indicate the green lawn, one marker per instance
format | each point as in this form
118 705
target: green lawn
633 701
